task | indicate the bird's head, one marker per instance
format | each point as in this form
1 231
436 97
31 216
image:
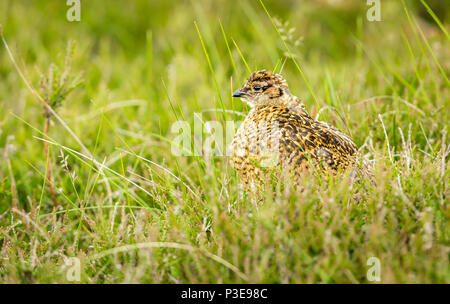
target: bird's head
262 87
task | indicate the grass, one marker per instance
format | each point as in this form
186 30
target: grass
131 211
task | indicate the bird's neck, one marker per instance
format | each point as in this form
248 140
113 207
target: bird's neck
286 101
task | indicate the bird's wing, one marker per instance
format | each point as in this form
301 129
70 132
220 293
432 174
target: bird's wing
304 139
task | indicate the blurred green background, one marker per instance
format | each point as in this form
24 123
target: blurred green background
126 50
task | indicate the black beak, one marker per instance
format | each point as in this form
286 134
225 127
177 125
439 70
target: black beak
238 93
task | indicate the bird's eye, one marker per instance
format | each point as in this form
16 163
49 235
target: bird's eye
257 88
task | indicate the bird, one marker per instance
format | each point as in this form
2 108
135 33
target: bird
278 133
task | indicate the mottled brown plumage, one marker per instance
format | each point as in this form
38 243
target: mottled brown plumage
279 133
